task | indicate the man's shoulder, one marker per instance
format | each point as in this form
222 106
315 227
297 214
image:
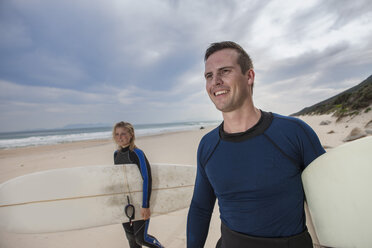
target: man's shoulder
290 126
207 145
287 120
210 136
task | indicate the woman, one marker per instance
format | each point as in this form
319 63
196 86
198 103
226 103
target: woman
128 153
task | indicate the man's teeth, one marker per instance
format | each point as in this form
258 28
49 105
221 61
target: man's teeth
220 92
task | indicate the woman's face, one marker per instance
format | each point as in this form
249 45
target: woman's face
122 136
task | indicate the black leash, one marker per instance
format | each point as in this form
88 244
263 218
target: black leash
129 211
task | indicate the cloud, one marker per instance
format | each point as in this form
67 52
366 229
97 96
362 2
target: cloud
47 95
94 61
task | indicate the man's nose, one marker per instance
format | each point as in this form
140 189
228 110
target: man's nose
217 80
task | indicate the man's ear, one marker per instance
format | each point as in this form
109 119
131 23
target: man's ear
250 76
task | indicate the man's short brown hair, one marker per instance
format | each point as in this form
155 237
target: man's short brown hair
244 60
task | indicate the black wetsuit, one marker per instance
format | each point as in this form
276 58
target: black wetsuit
136 231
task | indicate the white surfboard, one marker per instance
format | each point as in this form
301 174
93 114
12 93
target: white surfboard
338 189
89 196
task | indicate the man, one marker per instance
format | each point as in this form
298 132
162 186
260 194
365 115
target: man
251 163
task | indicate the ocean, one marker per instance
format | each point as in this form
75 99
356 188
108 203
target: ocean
56 136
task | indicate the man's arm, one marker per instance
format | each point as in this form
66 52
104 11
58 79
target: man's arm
200 211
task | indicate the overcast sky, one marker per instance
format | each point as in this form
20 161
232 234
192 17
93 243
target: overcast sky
94 61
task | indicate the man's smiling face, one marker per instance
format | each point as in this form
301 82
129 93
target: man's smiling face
226 85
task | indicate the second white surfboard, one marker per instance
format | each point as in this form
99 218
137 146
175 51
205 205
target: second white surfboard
338 190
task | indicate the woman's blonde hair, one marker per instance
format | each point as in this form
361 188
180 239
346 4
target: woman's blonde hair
129 127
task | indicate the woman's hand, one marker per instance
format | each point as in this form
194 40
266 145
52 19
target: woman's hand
145 212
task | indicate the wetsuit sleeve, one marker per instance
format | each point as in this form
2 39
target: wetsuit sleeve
145 170
295 139
311 147
201 209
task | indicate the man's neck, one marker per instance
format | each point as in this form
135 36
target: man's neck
241 120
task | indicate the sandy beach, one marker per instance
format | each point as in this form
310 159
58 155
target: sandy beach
174 148
170 229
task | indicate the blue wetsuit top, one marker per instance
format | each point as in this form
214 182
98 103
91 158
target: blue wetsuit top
138 157
256 176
